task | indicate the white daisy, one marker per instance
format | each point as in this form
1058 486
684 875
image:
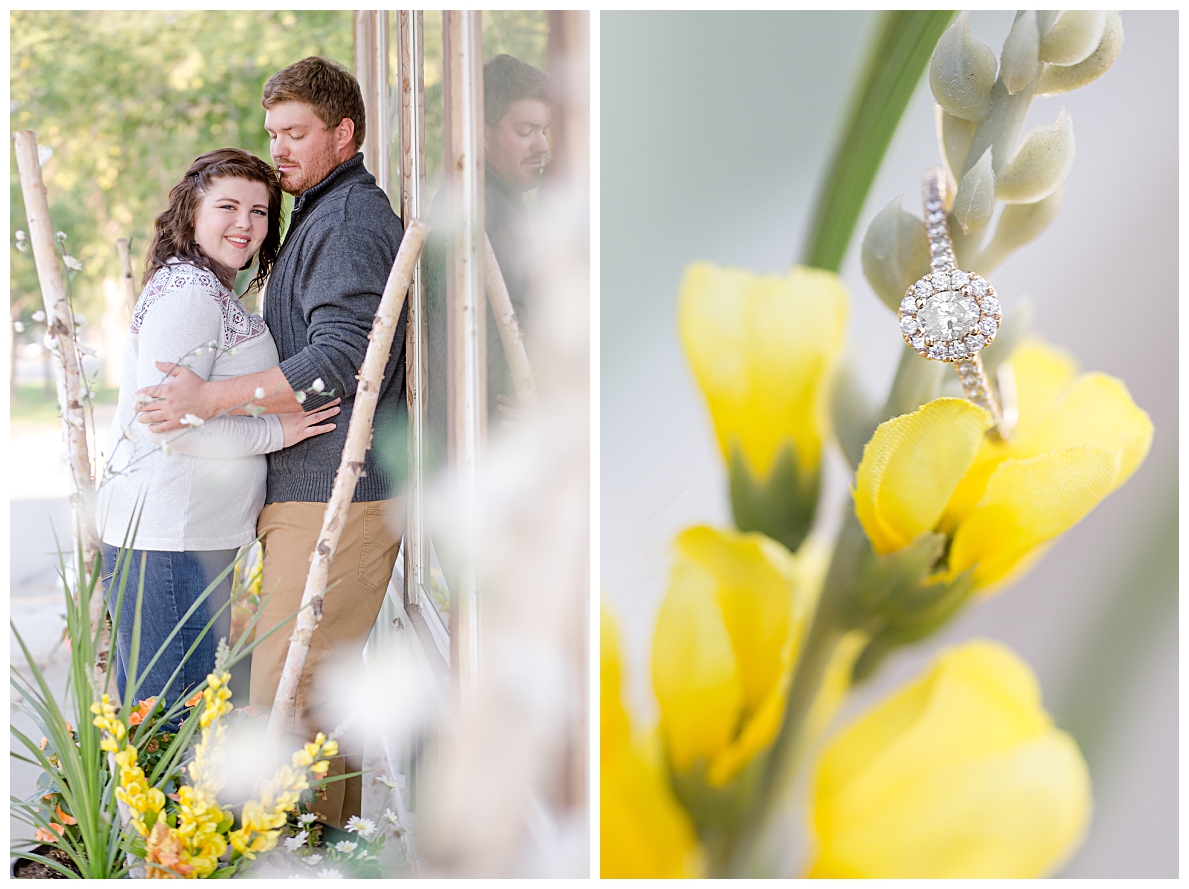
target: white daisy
345 846
329 873
296 842
308 818
361 826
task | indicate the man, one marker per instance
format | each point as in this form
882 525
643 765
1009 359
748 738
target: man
517 117
321 300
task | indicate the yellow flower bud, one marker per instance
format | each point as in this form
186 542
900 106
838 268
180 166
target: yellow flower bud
961 774
644 830
763 349
726 637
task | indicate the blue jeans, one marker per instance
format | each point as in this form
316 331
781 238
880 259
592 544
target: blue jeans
173 582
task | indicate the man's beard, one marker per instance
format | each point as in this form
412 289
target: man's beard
309 173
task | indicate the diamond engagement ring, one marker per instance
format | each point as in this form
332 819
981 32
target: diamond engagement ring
950 315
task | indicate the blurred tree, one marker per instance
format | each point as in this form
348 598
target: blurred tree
125 100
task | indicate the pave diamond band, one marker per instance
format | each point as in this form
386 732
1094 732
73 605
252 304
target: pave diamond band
950 315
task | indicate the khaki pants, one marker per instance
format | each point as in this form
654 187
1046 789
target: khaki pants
359 577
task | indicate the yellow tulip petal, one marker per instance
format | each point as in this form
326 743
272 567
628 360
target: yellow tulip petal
756 579
961 774
1018 814
1096 409
762 348
694 671
911 467
1028 502
614 724
758 733
644 831
1043 372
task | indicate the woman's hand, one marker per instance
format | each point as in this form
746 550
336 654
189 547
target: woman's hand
299 427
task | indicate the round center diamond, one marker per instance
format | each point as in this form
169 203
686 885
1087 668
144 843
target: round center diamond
948 315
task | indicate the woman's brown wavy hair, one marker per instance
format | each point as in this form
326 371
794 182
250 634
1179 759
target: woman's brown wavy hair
173 230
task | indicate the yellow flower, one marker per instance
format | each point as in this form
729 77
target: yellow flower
960 774
644 832
726 637
763 349
1078 438
261 820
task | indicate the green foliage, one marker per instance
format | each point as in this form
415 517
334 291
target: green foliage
899 54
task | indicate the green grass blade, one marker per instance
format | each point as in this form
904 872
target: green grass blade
903 44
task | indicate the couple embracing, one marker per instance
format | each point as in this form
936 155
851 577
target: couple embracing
196 357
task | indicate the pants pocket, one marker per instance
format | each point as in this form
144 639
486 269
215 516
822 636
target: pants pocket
377 555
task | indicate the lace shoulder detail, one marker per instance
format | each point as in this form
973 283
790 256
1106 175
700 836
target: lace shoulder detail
239 324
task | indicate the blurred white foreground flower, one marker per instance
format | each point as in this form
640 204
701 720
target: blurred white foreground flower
191 420
39 316
300 397
317 385
296 842
313 859
18 326
259 393
329 873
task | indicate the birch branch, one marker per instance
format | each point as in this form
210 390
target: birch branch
60 324
359 433
510 333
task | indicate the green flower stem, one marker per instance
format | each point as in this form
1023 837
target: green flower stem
748 854
899 54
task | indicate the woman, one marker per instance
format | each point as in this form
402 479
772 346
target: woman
185 502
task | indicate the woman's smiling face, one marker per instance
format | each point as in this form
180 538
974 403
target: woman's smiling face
232 221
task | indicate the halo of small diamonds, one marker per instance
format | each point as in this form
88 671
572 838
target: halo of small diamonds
949 315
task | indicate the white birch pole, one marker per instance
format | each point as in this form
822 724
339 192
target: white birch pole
510 333
359 434
60 324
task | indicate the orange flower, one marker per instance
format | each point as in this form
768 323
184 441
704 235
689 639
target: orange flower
194 699
63 817
45 836
165 848
145 708
44 741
